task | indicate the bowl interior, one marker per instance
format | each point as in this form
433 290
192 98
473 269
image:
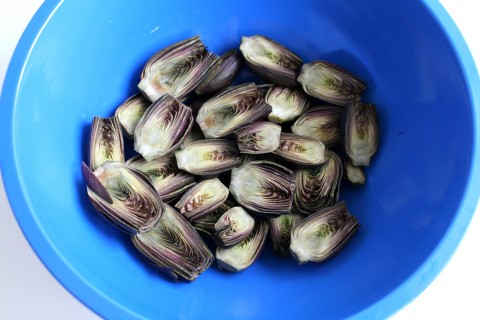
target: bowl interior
87 59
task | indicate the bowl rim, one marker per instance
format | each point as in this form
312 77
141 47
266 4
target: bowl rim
80 287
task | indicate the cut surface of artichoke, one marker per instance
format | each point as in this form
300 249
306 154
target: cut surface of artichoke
202 199
361 132
323 234
231 109
301 150
271 60
287 103
208 156
318 187
233 226
258 137
280 232
106 141
162 128
174 245
263 187
321 123
130 112
330 83
242 255
134 204
206 224
176 69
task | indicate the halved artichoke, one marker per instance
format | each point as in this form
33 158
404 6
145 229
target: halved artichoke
222 73
176 69
323 234
202 199
243 255
318 187
175 247
361 132
230 109
233 226
258 137
301 150
280 231
166 178
263 187
130 112
321 123
331 83
208 156
124 196
106 141
163 128
270 60
287 103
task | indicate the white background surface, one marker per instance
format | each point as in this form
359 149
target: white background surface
29 291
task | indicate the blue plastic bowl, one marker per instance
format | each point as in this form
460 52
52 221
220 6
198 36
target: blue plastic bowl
79 59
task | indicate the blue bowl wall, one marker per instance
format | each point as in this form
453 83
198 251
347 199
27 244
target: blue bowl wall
81 60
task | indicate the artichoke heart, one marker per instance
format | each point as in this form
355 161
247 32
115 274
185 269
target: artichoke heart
301 150
263 187
230 109
206 224
124 196
322 123
208 156
242 255
271 60
258 137
222 73
318 187
176 69
175 247
361 132
106 141
323 234
233 226
280 231
330 83
202 199
287 103
163 128
166 178
130 112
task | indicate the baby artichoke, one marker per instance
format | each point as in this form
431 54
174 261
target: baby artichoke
163 128
124 196
130 112
270 60
280 231
321 123
258 137
206 224
287 103
331 83
323 234
233 226
176 69
353 174
300 150
174 246
106 141
230 109
202 199
263 187
208 156
361 132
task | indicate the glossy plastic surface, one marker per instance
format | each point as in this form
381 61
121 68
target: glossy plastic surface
78 60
